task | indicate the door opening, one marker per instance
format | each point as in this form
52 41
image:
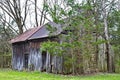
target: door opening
44 54
26 61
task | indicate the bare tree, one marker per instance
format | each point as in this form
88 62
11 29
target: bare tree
15 11
7 22
43 14
39 12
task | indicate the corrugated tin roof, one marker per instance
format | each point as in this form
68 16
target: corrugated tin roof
25 35
37 32
44 32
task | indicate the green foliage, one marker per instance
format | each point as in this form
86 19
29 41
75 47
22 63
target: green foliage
79 43
114 20
5 35
51 29
114 30
99 42
53 48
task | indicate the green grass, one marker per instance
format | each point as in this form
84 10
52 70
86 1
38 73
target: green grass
16 75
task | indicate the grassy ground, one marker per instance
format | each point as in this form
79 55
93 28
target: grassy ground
15 75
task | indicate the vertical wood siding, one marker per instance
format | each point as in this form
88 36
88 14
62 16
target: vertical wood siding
17 57
57 62
54 63
37 60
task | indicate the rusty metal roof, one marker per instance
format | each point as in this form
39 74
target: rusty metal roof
25 35
44 32
37 32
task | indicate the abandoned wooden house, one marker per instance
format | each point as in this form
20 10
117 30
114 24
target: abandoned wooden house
26 52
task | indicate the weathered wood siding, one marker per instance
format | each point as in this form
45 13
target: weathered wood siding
54 63
18 56
57 64
37 60
48 63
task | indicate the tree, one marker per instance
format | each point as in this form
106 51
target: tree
84 18
15 11
114 30
110 57
5 48
78 25
39 12
101 11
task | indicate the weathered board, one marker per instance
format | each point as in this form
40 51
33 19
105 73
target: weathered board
28 56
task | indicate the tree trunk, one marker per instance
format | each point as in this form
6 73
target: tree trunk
110 61
20 26
36 18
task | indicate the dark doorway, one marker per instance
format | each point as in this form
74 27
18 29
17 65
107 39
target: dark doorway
26 61
44 54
